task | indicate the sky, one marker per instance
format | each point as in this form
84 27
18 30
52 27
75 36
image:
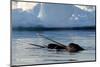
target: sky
23 5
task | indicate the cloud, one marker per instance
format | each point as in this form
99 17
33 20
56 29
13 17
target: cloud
86 8
25 6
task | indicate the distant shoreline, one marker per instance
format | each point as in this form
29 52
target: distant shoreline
53 28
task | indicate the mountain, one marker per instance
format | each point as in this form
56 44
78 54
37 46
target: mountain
24 19
53 15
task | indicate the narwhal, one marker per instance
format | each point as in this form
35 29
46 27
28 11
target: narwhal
72 47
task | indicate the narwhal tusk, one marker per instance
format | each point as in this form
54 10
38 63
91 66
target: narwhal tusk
38 45
52 40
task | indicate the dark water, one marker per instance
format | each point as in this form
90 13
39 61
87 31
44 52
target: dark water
23 53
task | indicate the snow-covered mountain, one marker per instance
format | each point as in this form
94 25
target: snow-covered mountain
53 15
24 19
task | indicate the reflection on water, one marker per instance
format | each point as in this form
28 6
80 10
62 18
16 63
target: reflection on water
23 53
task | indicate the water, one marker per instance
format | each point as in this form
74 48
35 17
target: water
24 54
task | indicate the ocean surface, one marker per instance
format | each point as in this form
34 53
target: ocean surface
25 54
